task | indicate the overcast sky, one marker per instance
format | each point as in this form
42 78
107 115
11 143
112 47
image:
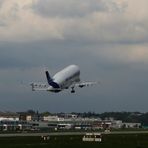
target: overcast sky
108 39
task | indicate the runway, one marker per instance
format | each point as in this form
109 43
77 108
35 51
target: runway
126 132
67 133
41 134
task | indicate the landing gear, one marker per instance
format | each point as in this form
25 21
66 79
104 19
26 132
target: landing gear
72 91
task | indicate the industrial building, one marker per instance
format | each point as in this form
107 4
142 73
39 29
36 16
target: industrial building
23 121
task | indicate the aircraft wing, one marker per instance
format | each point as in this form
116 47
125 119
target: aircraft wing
39 86
83 84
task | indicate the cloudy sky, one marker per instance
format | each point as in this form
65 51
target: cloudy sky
108 39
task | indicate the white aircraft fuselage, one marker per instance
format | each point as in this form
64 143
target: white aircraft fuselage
69 77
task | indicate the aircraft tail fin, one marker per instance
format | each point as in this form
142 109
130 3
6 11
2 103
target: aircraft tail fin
49 79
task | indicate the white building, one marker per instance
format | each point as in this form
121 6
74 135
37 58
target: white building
52 118
9 116
28 117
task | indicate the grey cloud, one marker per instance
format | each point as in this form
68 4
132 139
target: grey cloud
37 54
1 3
68 8
70 20
10 15
14 11
2 23
71 8
11 56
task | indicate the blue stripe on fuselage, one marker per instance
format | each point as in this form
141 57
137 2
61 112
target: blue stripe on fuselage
54 84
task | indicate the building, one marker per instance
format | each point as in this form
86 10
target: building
7 125
131 125
10 116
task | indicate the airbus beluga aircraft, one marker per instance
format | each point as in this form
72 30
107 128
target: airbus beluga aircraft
67 78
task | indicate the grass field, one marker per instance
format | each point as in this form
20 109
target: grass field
108 141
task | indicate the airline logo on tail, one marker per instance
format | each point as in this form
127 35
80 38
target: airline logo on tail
50 81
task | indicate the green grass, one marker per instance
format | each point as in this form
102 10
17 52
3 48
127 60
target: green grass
109 141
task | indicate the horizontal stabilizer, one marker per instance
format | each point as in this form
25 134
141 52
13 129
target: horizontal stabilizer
38 86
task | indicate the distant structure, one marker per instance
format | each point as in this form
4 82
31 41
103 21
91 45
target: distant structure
10 116
36 121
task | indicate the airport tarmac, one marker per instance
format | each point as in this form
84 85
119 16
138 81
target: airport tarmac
41 134
67 133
